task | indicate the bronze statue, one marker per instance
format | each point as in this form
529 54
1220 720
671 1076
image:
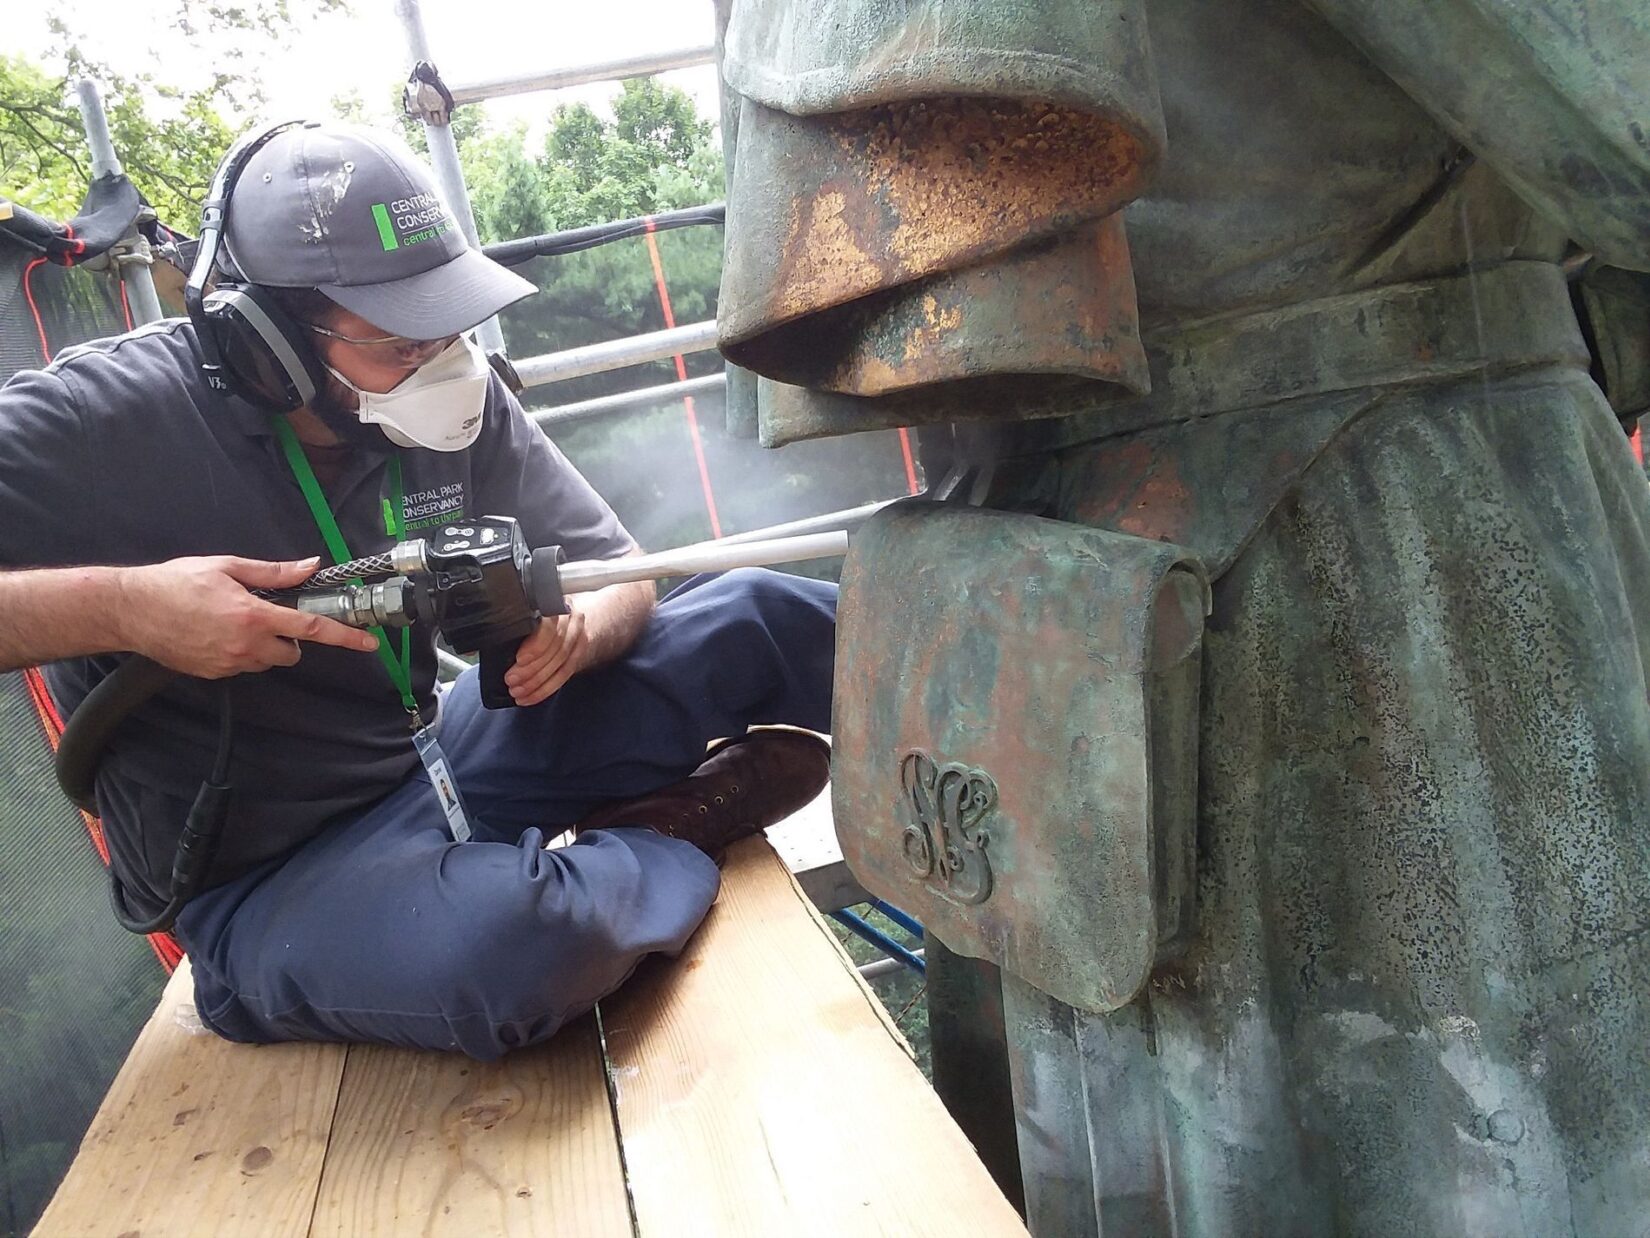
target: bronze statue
1328 910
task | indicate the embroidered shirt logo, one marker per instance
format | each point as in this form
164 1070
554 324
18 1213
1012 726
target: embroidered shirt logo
437 505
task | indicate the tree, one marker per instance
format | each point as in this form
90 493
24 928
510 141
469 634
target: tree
168 136
656 153
44 163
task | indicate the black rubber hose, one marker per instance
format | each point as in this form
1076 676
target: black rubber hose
87 734
198 843
571 241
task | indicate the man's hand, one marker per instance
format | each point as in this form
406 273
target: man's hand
547 659
601 627
196 616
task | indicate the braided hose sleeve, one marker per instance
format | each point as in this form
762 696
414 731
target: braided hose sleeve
368 567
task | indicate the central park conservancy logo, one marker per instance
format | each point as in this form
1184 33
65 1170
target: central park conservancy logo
437 505
409 221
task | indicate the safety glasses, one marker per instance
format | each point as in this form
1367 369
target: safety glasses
389 349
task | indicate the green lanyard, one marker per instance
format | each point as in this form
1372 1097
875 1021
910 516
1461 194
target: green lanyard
395 524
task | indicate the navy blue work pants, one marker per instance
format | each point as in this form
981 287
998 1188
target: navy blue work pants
384 929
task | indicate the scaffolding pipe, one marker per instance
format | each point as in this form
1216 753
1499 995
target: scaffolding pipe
867 931
582 75
104 160
444 161
625 401
132 265
616 354
846 520
902 918
589 575
882 967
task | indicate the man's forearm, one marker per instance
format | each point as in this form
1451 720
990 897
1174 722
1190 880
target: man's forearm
614 617
57 613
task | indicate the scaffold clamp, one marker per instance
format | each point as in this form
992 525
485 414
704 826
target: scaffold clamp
426 96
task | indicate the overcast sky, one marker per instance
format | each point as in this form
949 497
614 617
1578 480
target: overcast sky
366 50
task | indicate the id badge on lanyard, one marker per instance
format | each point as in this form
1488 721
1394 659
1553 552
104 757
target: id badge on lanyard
399 668
441 778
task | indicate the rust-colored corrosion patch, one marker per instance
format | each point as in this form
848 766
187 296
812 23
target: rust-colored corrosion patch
929 185
1065 306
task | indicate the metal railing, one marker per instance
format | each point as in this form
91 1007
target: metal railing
444 162
625 401
437 120
438 131
616 354
130 256
582 75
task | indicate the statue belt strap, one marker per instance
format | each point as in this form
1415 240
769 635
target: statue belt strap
1505 318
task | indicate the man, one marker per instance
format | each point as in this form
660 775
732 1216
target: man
342 905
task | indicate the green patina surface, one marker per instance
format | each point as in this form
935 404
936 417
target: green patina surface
1416 994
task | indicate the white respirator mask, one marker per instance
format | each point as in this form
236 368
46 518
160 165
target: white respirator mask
438 406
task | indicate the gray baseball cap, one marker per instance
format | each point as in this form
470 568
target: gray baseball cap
355 214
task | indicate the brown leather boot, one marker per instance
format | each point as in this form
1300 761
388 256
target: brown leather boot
744 786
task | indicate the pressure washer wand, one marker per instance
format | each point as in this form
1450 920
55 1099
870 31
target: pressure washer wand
485 590
589 575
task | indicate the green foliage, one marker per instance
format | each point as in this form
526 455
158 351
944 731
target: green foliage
655 154
44 164
169 137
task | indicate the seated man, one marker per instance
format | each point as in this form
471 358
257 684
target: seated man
341 904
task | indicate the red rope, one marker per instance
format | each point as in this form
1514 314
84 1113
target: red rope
125 308
164 945
681 375
79 248
910 465
28 295
1638 443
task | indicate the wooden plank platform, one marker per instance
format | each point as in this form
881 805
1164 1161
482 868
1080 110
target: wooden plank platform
754 1086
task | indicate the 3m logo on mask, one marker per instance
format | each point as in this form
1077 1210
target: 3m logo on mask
437 505
409 221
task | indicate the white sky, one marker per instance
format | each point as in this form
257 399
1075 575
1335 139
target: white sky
366 49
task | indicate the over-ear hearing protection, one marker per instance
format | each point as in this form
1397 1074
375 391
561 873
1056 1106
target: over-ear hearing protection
250 346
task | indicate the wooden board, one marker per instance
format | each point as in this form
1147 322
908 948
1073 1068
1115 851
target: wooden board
436 1144
199 1136
762 1090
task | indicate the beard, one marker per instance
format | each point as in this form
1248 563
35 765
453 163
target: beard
335 405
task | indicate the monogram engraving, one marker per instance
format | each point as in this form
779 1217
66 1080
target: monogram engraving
947 838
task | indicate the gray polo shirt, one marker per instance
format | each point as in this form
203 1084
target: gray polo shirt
119 453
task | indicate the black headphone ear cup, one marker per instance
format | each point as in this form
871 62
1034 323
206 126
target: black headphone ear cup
267 358
248 345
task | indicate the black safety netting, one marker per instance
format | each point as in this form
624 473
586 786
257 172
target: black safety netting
45 308
74 987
